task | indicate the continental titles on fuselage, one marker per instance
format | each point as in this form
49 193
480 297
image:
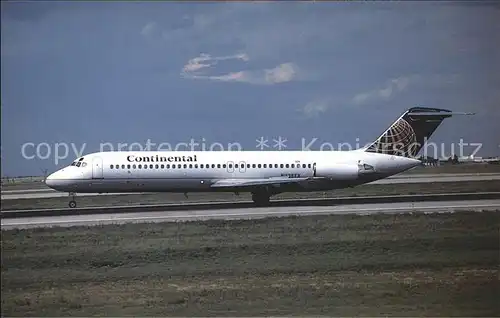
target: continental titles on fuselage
157 158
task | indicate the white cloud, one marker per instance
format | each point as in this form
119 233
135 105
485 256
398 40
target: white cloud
205 60
315 108
148 29
400 84
393 86
282 73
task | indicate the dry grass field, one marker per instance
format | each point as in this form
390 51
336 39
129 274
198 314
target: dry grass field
339 265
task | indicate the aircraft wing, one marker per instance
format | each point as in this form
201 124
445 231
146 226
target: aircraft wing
233 183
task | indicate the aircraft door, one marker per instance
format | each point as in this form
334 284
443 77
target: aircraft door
314 169
243 166
97 168
230 166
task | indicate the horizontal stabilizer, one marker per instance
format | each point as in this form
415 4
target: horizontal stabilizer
434 114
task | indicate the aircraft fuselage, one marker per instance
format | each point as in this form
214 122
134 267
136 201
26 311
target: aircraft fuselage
114 172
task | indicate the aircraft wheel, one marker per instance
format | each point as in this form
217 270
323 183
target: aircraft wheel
72 204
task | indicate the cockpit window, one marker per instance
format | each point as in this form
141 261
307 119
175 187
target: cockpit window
79 163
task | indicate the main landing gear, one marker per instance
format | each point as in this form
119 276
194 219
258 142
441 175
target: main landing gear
261 198
72 202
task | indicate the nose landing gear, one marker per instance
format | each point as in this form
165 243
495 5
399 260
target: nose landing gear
72 202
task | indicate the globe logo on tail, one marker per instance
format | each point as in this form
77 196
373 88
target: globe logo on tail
400 139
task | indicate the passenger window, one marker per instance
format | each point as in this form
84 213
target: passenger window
293 165
259 165
201 166
224 166
254 165
287 165
123 166
156 166
265 165
110 166
190 165
309 165
128 166
282 165
139 166
236 166
150 166
162 166
133 167
173 166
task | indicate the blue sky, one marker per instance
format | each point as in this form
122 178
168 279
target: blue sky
85 73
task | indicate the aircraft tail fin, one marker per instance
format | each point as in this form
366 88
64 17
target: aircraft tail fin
408 134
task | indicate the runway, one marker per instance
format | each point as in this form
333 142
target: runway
423 178
248 213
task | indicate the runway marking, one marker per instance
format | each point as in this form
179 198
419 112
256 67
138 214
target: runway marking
212 215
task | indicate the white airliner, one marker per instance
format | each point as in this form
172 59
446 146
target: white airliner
263 173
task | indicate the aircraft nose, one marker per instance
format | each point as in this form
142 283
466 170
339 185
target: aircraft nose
56 180
51 180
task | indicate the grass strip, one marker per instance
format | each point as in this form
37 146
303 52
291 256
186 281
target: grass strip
338 265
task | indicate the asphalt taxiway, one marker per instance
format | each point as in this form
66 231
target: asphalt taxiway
248 213
424 178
